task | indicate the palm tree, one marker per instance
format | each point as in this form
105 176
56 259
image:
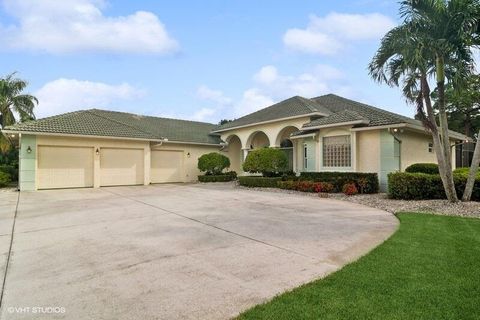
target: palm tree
434 40
12 103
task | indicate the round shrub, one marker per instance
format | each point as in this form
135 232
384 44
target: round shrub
213 163
4 179
428 168
269 162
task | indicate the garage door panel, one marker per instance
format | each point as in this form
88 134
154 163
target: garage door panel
121 167
65 167
166 166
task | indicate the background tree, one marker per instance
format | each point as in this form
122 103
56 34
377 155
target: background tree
15 106
435 40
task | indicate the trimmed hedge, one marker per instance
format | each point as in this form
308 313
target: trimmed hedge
428 168
270 162
365 182
216 178
213 163
422 186
259 182
4 179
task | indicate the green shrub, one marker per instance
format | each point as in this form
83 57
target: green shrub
464 171
10 170
216 178
364 182
213 163
428 168
260 182
4 179
422 186
270 162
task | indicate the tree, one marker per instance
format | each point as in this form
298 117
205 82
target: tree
267 161
213 163
434 40
224 121
13 102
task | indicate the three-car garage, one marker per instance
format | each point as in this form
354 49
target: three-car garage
86 163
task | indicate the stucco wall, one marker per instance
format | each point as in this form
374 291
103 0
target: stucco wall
414 149
368 151
27 163
191 154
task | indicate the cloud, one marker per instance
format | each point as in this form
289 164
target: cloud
328 35
205 93
68 26
64 95
203 114
266 75
252 100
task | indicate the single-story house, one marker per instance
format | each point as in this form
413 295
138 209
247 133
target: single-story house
94 148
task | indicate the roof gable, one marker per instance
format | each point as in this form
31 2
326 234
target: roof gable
292 107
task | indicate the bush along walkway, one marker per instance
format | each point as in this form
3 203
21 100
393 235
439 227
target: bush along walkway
429 269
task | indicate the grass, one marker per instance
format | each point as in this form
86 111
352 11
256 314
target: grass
429 269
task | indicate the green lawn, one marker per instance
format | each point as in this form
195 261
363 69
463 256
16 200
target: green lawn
429 269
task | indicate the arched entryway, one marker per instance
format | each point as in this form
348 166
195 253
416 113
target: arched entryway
234 150
285 144
257 140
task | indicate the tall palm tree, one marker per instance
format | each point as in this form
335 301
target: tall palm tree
434 40
13 102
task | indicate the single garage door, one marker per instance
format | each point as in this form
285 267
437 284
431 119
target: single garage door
65 167
166 166
121 167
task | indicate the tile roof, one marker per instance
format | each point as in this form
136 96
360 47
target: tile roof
337 117
376 116
96 122
295 106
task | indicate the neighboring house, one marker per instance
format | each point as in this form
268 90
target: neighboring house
94 148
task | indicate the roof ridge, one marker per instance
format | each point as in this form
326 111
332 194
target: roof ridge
155 117
119 122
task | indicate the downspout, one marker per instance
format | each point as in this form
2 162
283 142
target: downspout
392 131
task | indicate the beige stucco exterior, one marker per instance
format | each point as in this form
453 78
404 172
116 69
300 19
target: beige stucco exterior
378 150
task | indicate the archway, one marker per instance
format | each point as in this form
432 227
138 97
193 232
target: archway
257 140
234 151
285 144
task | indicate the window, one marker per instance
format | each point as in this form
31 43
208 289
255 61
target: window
430 147
305 156
337 151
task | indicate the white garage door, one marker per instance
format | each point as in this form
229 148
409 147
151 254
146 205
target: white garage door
65 167
166 166
121 167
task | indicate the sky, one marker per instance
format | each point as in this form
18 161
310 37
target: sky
197 60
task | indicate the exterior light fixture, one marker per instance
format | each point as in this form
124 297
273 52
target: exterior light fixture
12 135
29 149
97 152
395 130
188 154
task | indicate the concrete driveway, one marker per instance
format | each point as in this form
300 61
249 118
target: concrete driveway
172 251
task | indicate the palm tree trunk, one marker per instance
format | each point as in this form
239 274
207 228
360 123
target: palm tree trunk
443 166
467 194
445 146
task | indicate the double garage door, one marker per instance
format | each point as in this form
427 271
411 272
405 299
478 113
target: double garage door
73 167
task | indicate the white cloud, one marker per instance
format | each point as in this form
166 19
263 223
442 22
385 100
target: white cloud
327 35
79 25
252 100
64 95
203 114
266 75
217 96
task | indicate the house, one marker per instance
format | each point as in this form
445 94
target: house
94 148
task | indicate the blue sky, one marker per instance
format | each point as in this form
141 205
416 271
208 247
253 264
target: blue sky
200 60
